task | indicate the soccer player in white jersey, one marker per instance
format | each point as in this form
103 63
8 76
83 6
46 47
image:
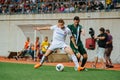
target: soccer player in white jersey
59 34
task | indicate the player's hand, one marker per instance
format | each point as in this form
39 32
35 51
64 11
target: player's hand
76 47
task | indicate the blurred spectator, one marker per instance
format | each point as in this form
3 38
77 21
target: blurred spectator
62 8
114 3
83 7
2 1
66 8
101 40
108 4
56 7
37 48
100 6
49 8
44 45
72 8
4 9
25 50
44 8
32 50
108 50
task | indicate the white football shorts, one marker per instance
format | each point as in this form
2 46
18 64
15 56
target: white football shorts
58 45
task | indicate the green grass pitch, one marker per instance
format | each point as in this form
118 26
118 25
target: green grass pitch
13 71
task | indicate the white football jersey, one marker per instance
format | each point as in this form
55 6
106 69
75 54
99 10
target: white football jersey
59 35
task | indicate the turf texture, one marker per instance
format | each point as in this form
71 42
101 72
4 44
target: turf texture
14 71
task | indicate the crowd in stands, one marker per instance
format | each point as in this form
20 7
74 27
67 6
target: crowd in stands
55 6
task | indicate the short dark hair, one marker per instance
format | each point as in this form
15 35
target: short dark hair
46 36
102 29
37 37
107 30
76 18
61 21
28 38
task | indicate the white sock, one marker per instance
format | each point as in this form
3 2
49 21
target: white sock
75 60
42 60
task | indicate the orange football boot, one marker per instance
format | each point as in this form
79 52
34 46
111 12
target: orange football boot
37 65
80 68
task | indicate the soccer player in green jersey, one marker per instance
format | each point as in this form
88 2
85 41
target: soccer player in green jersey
75 42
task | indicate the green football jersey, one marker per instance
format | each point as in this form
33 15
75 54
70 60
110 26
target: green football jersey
76 32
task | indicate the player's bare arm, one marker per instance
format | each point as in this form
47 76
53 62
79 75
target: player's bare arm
42 28
74 41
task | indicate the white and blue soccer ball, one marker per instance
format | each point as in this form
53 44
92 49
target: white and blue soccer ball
59 67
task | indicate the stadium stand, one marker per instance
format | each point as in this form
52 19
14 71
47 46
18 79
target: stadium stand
55 6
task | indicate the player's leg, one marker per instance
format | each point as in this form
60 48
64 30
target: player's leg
48 52
78 56
83 52
69 51
84 60
76 52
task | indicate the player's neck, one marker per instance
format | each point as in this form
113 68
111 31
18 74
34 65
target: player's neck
76 25
61 27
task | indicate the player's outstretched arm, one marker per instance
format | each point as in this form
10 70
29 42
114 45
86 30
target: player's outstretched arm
42 28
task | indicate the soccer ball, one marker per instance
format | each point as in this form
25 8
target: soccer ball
59 67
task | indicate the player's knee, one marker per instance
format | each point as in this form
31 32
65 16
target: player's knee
85 56
78 55
67 48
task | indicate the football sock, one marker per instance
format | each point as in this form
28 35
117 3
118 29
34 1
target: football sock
78 59
75 60
42 60
83 62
